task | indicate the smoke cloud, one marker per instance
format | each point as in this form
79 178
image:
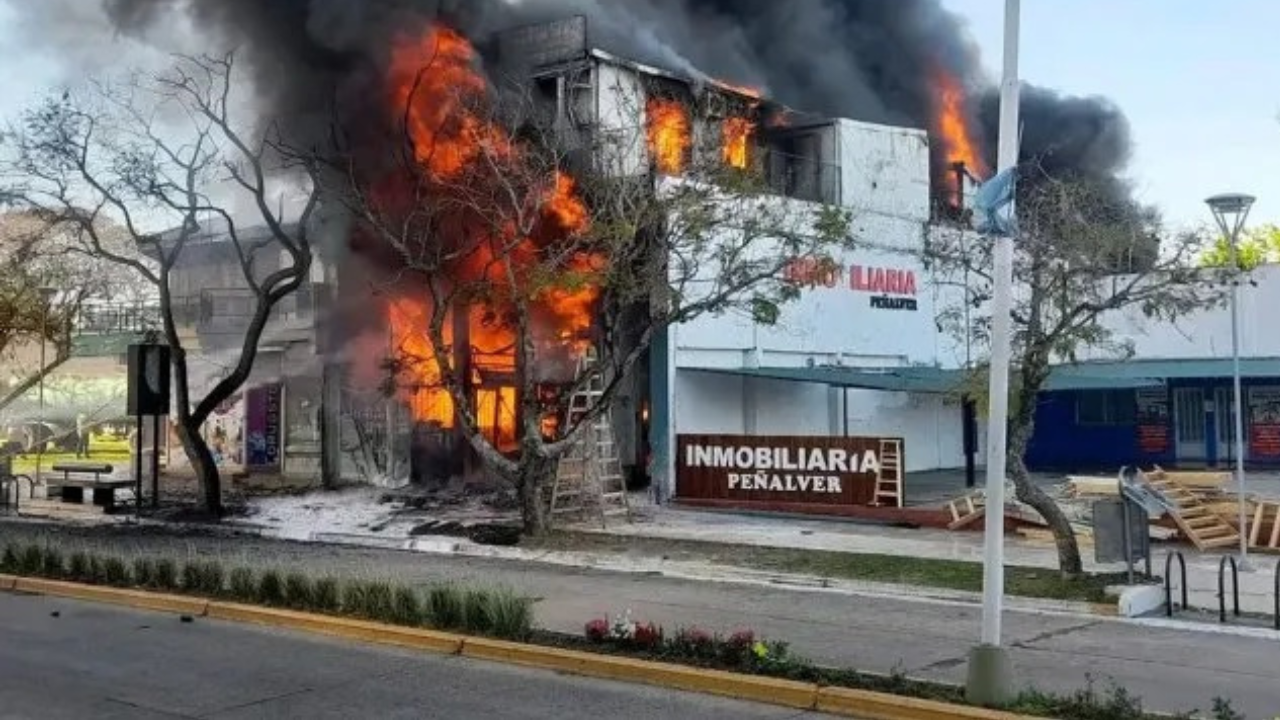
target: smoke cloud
871 60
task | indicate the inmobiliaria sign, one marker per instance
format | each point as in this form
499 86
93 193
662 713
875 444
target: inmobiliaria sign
779 469
890 288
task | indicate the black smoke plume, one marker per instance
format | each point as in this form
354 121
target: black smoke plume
874 60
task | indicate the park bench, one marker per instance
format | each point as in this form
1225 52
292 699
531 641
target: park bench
78 477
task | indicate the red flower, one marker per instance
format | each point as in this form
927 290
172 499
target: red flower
742 639
647 635
597 630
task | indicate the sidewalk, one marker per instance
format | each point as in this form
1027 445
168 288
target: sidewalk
1257 589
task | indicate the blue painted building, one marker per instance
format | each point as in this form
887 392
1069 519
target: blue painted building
1167 412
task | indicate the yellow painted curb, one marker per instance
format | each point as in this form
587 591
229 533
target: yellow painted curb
715 682
868 705
117 596
409 637
1106 610
788 693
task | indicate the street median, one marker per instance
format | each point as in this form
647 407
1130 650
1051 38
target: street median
773 691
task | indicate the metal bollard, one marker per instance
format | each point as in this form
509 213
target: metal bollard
1168 581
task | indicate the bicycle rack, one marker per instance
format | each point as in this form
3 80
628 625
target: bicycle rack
1168 581
17 490
1235 589
1276 596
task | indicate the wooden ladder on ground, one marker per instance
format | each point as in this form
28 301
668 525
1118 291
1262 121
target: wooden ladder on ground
1195 519
889 476
966 510
1264 533
590 476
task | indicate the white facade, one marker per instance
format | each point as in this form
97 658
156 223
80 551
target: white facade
1207 333
884 179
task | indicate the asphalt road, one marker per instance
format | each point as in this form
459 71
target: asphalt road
1172 669
100 662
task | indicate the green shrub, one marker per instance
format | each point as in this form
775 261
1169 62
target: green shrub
9 561
271 589
97 570
327 597
299 591
80 566
30 560
353 602
53 565
1116 703
166 574
211 578
243 586
191 581
115 572
379 601
406 606
144 572
477 612
511 615
445 608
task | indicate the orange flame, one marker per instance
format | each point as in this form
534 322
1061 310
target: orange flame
736 136
953 125
435 86
669 134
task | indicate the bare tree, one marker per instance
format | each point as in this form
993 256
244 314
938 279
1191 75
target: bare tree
154 153
44 287
1068 284
561 241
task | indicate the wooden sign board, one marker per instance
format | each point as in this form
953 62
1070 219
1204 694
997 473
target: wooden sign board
812 470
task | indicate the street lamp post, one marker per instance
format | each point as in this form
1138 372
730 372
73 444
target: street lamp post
1230 210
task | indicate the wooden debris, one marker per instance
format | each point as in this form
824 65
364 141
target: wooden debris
1190 479
1082 485
1265 528
966 510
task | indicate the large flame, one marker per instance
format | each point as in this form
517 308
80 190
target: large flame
735 141
958 137
669 133
436 90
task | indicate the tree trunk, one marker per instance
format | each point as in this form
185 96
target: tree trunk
1028 492
534 474
202 462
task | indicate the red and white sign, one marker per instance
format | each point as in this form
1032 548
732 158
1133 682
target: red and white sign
890 288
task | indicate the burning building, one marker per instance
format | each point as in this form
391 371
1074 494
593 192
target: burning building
897 122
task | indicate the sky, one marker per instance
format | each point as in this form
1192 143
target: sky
1198 80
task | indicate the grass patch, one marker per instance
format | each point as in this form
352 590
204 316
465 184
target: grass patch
328 595
866 567
445 607
271 589
166 574
242 585
299 592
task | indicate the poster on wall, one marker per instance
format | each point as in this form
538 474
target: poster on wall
1264 423
1152 421
783 469
262 427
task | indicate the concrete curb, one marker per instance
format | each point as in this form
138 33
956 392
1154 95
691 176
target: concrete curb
863 704
364 631
141 599
787 693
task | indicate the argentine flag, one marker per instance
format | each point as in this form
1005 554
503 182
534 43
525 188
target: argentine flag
993 208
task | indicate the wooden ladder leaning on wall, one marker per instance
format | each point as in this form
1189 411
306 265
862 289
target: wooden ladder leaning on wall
590 475
889 476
